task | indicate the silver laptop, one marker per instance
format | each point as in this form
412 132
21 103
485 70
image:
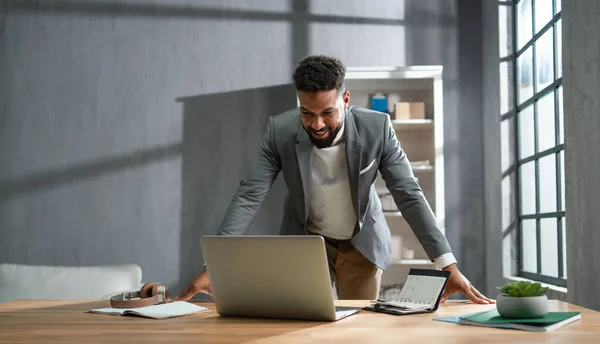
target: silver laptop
284 277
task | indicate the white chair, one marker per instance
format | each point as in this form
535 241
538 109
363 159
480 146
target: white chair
20 281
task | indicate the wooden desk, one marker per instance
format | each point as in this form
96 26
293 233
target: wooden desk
67 321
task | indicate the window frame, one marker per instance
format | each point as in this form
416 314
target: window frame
515 108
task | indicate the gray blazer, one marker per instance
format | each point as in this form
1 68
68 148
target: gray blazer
371 146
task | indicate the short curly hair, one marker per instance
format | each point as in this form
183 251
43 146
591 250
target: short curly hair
320 73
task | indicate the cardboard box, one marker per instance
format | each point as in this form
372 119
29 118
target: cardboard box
412 110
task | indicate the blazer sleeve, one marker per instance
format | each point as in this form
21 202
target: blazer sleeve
254 188
404 187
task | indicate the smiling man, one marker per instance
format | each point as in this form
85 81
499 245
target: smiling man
329 153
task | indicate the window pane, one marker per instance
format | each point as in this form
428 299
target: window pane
547 186
564 248
558 5
526 133
544 60
559 49
562 179
509 254
527 188
524 24
508 201
561 119
549 246
529 252
506 88
505 30
507 132
543 13
545 122
525 74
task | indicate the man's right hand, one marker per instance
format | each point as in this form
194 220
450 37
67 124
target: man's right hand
200 284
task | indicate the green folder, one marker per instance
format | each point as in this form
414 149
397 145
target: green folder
492 318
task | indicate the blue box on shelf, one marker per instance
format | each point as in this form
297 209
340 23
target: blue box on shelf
379 102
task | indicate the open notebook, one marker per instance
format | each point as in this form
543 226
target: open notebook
162 311
421 293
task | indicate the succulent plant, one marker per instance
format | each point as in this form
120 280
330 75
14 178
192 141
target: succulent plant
523 289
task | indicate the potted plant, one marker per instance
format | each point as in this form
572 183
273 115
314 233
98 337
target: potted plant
522 299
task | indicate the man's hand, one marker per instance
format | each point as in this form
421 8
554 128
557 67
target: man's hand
457 283
200 284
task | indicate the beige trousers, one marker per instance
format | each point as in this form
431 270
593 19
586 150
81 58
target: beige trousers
354 276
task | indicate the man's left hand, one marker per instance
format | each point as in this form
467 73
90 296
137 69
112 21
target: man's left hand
458 283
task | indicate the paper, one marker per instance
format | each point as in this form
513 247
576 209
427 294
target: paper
454 319
162 311
395 310
422 290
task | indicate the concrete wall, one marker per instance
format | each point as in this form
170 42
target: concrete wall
465 150
126 126
581 85
491 147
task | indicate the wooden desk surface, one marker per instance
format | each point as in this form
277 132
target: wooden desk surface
67 321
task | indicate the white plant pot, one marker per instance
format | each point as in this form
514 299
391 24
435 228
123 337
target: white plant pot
522 307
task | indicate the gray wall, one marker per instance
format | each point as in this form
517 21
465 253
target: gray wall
125 127
491 147
464 150
215 154
581 85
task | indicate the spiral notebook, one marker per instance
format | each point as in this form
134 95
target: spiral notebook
421 293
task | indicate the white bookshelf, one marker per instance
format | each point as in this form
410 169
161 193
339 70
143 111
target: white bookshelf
421 139
412 124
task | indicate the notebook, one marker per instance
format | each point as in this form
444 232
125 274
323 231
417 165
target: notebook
421 293
491 318
161 311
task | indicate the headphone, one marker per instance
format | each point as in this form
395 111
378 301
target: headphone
150 294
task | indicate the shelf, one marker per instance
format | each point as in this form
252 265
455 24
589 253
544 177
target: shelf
412 124
414 262
405 73
421 140
422 168
392 214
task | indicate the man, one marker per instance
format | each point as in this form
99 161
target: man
329 154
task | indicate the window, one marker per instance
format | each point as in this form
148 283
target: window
533 187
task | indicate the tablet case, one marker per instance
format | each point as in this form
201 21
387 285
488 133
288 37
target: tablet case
421 293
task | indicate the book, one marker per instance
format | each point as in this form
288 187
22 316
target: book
421 293
491 318
161 311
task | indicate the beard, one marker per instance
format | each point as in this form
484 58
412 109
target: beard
327 141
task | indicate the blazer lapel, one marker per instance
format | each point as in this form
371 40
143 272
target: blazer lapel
304 156
353 156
